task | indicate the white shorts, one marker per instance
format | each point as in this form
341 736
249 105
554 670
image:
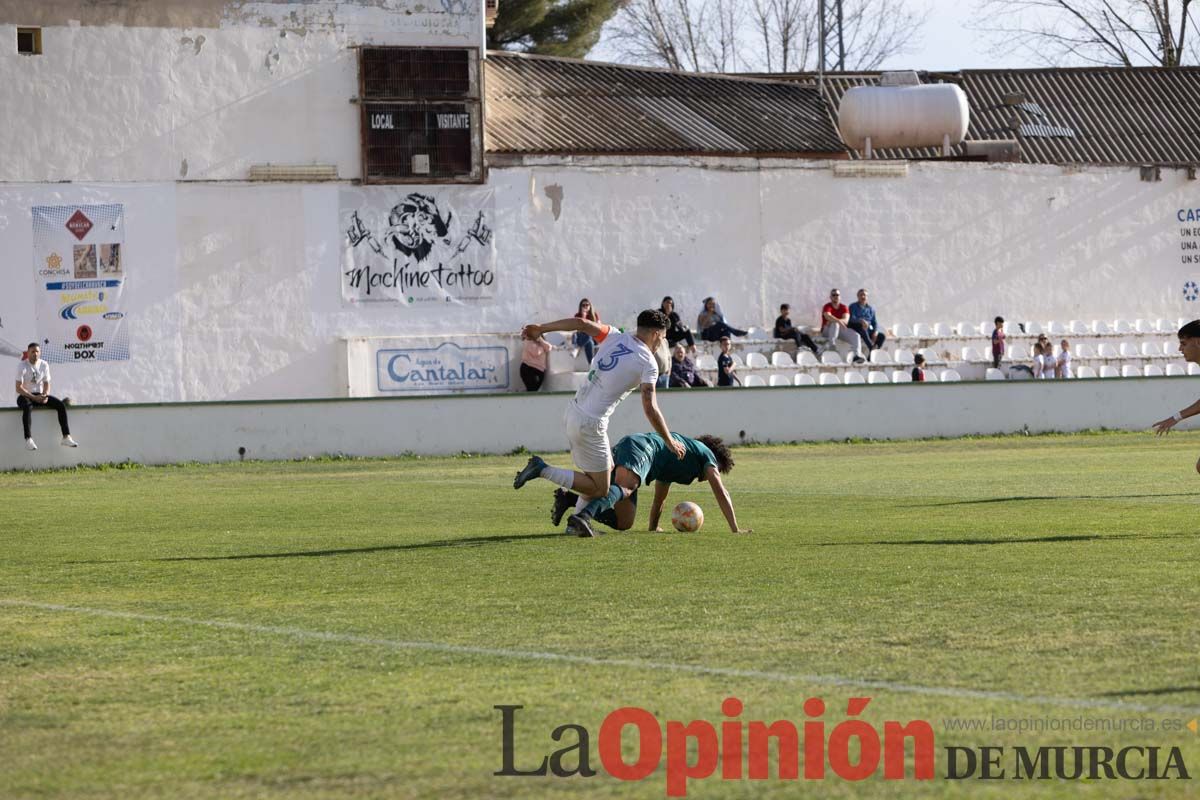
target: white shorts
589 440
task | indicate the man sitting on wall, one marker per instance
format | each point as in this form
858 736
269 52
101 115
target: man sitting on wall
862 320
33 391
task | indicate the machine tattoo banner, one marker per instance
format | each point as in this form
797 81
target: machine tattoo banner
78 261
418 247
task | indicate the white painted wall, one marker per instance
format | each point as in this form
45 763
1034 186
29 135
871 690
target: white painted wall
201 92
500 423
235 288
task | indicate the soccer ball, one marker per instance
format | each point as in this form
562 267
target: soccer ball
687 517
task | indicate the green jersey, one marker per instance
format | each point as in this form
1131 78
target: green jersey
647 455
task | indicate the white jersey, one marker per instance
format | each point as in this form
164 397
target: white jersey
621 364
33 377
1064 364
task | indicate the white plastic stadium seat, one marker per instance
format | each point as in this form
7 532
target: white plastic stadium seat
1130 371
877 377
901 331
1143 326
780 380
1193 369
756 361
1176 369
756 334
705 362
1122 326
1152 371
828 379
1100 327
782 359
1055 328
1085 372
853 376
994 374
1078 327
903 356
1164 326
805 358
922 331
930 354
950 376
1129 350
901 376
1170 349
1033 329
831 357
754 380
1083 350
1179 323
942 329
1152 350
880 357
971 355
803 379
737 360
1106 350
964 328
1109 371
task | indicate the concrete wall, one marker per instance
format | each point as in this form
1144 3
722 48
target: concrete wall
499 423
234 289
165 90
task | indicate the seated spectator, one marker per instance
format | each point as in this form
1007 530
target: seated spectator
835 322
711 323
581 339
678 332
683 370
533 363
1044 363
918 370
725 365
33 391
862 320
1064 359
999 346
785 330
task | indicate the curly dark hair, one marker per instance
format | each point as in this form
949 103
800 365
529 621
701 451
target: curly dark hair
724 457
653 319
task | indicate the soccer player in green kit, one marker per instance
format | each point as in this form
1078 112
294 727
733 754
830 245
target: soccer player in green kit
644 457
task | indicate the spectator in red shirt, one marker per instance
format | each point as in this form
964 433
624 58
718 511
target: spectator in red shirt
918 370
835 324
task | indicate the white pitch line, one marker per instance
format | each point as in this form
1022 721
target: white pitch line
535 655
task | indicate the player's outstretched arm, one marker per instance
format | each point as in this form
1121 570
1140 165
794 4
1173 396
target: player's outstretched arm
1165 425
724 501
658 421
661 488
593 329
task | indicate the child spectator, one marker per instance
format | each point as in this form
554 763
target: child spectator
581 339
998 343
1064 360
785 330
533 363
918 370
711 323
1044 364
683 370
725 366
677 332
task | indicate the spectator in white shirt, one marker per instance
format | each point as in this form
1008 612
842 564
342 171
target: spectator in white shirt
1064 360
33 391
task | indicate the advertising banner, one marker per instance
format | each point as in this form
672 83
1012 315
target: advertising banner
418 248
79 265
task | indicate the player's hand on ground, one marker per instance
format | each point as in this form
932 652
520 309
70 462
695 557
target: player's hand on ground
678 449
1164 426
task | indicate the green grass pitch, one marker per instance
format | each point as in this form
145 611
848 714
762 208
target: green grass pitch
1041 578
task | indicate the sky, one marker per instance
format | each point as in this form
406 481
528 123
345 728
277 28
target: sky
948 43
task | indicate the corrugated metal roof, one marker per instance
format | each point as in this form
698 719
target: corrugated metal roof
1084 115
540 104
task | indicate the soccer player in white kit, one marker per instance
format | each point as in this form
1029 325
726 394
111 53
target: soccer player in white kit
622 362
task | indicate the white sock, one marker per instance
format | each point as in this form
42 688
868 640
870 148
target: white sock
581 503
557 475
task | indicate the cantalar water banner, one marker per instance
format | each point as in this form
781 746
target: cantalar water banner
79 264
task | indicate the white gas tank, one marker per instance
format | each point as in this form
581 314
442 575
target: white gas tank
903 116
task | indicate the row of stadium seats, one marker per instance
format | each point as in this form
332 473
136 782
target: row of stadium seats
975 330
853 376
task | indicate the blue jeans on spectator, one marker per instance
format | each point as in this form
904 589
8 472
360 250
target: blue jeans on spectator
664 380
873 341
581 339
714 333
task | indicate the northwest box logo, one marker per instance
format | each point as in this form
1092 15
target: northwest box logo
813 750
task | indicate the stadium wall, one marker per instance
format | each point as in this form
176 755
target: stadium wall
500 423
235 291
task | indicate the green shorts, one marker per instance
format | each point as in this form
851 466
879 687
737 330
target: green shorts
633 459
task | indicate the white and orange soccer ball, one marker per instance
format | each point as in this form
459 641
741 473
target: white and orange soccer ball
687 517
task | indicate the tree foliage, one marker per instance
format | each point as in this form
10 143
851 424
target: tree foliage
567 28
